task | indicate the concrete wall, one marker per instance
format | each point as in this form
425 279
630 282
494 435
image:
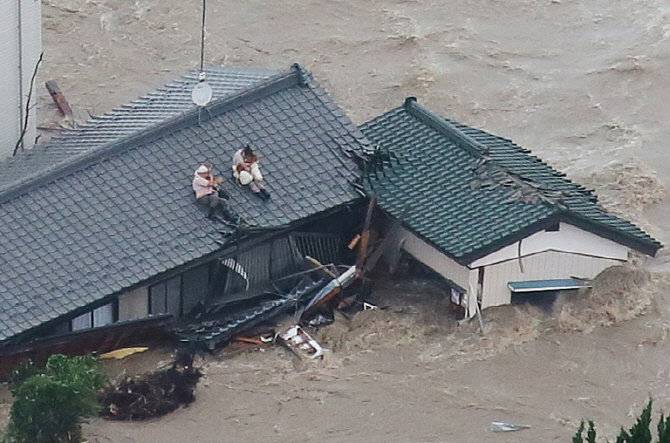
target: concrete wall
20 47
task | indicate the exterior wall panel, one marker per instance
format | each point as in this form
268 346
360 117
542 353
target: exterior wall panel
195 286
430 257
567 239
542 266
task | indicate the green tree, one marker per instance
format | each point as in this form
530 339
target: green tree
51 402
640 432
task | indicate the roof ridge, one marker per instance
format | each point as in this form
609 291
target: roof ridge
529 190
510 191
436 122
292 77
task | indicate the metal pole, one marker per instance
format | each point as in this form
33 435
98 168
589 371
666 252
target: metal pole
20 30
202 36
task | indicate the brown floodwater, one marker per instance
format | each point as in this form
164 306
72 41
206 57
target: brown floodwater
584 85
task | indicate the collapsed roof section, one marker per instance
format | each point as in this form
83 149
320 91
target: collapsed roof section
469 193
109 219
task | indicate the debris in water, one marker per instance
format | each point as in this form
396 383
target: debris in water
122 353
154 394
369 306
301 343
498 426
328 292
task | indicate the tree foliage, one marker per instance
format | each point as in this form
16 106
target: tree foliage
640 432
51 402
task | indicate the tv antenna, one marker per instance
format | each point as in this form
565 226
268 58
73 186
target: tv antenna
202 92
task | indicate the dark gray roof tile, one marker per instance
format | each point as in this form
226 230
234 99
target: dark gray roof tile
119 211
169 101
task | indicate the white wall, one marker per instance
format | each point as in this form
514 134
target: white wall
568 252
17 63
565 253
567 239
540 266
429 256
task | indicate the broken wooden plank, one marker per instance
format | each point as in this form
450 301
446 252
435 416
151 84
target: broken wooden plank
58 98
365 236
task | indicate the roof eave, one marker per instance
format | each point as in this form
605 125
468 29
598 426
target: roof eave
646 247
230 246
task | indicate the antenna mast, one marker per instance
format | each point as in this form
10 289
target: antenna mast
202 92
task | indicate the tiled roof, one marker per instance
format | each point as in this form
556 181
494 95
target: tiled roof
125 212
172 99
469 193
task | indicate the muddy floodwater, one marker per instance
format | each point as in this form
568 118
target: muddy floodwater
583 84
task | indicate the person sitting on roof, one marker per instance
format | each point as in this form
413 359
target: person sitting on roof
204 187
247 171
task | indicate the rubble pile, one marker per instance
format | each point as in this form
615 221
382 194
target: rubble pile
310 301
152 395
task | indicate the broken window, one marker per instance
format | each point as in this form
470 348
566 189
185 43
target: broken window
323 247
265 264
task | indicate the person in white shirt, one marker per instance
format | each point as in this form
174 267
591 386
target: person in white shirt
247 171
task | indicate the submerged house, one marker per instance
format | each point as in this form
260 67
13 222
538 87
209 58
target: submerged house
485 214
99 226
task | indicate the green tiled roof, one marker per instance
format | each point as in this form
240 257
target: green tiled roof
468 192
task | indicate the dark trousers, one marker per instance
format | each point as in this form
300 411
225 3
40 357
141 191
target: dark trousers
213 201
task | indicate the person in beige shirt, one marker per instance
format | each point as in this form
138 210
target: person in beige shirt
206 194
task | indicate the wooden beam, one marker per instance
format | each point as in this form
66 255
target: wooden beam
59 98
365 237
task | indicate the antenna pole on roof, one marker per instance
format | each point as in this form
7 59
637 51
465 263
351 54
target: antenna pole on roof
202 92
202 35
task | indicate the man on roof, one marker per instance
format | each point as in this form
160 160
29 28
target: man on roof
206 193
247 171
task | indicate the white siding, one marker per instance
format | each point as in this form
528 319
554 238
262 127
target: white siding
431 257
540 266
545 255
567 239
473 277
16 68
134 304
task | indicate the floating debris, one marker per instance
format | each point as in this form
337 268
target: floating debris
154 394
498 426
301 343
220 323
122 353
